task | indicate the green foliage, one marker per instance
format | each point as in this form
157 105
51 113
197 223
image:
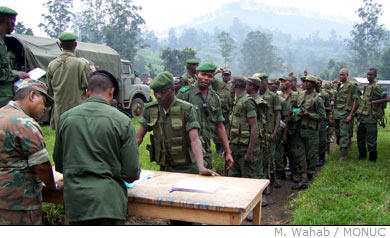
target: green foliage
227 46
59 17
332 72
53 214
21 29
367 36
174 60
259 55
384 69
92 21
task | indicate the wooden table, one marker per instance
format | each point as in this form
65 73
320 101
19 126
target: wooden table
229 205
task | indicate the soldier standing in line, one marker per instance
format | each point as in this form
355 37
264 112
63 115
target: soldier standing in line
290 101
208 106
7 75
323 125
24 160
226 96
345 105
311 112
273 116
67 78
329 91
189 77
371 109
175 144
252 88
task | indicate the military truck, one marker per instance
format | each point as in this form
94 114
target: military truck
37 52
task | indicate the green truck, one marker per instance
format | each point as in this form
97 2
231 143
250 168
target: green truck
36 52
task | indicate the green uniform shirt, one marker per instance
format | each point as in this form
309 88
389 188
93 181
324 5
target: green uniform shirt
96 149
67 79
343 99
226 95
21 147
371 93
7 76
273 104
210 116
187 79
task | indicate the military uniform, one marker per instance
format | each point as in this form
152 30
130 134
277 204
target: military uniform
96 149
170 144
343 101
323 130
209 109
188 79
367 131
67 78
21 147
240 132
308 130
7 76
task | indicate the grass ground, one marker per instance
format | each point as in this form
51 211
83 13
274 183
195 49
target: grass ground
350 192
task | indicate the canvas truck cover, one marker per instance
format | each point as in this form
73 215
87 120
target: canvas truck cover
39 51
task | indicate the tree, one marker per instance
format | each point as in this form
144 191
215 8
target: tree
367 37
226 44
384 69
124 27
172 39
21 29
59 17
171 61
93 20
259 55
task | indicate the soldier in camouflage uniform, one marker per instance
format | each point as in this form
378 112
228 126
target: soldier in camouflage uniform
24 160
371 109
345 104
208 106
329 131
189 77
67 78
7 75
310 111
323 130
273 116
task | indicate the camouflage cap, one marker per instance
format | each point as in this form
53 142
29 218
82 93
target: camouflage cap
7 11
262 76
272 80
310 78
239 81
162 81
192 61
287 78
67 36
255 81
207 67
37 85
226 71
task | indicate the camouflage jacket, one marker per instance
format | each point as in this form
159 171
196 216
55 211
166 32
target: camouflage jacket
21 147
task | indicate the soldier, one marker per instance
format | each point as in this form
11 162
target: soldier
189 77
67 78
24 160
226 96
311 111
323 125
329 91
96 150
252 88
208 106
177 84
7 75
371 109
345 104
273 116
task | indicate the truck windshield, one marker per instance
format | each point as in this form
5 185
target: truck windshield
126 69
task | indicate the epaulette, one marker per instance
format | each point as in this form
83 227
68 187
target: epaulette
184 102
184 89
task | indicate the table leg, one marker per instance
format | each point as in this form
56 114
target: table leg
257 214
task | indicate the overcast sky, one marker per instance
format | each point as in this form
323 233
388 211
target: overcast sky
161 15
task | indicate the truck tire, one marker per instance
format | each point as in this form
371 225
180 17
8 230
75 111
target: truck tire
137 107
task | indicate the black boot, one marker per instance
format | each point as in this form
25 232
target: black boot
373 156
362 153
277 182
303 184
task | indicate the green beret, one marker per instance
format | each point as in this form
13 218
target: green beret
260 76
192 61
206 67
162 81
67 36
7 11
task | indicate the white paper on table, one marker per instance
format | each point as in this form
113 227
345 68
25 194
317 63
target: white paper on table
192 185
36 73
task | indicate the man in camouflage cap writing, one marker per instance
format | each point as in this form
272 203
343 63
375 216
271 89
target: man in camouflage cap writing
7 75
24 160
